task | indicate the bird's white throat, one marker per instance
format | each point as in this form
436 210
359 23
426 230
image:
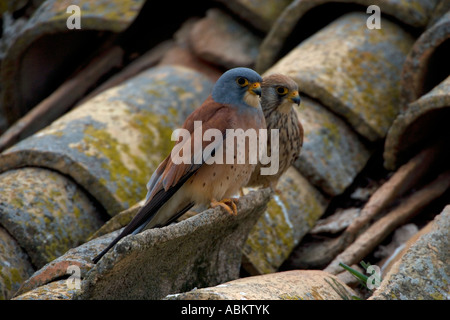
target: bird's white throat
252 99
286 107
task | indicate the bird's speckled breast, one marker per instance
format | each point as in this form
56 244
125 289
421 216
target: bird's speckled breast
227 177
290 143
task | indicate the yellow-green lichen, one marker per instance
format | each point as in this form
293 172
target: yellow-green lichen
76 212
286 296
111 151
315 293
115 15
17 202
154 92
271 239
131 176
155 136
41 200
9 281
15 275
330 135
436 296
344 75
6 280
312 204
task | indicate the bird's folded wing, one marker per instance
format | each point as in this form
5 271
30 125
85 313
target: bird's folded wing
213 116
169 177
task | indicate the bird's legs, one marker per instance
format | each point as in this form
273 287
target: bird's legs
226 203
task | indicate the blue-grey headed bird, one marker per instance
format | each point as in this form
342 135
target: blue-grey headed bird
279 96
175 188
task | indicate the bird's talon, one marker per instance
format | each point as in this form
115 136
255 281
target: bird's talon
226 203
234 208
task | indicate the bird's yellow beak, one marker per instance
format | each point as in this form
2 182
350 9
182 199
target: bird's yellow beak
295 97
255 88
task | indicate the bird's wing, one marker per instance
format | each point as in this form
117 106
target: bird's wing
156 176
169 177
213 116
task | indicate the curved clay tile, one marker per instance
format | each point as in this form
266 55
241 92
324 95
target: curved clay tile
45 212
111 144
45 52
352 70
425 65
415 13
208 246
15 265
424 123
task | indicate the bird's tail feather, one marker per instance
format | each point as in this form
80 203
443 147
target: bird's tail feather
147 212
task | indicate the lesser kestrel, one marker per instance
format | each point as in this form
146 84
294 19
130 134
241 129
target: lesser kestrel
175 188
279 96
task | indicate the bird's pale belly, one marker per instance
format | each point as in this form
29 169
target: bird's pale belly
218 181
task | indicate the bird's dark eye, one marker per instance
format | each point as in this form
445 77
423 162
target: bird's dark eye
282 90
242 81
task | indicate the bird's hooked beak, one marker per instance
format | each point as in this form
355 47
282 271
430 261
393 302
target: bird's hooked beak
295 97
255 88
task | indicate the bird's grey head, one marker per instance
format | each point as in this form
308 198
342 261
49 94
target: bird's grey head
280 92
240 87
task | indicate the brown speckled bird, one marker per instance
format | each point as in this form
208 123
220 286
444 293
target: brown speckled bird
279 96
174 188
